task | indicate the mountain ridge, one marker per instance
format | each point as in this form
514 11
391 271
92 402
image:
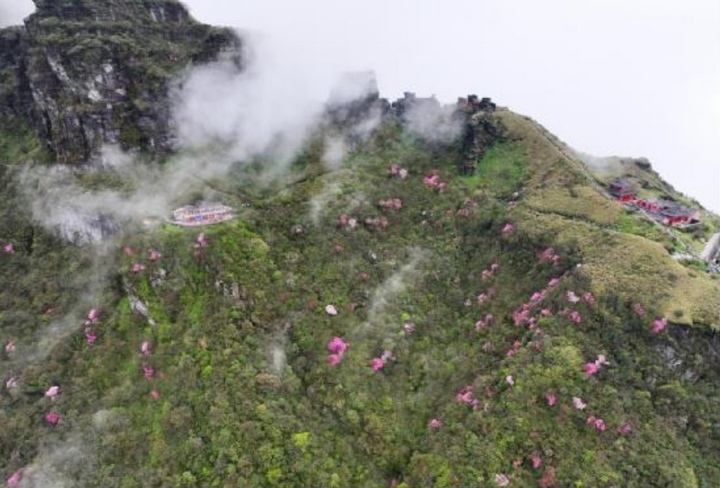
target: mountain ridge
422 295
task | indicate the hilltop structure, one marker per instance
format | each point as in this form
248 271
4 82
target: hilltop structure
202 214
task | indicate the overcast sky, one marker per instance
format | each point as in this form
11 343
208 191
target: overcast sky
609 77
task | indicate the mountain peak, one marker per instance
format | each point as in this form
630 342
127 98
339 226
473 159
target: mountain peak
113 10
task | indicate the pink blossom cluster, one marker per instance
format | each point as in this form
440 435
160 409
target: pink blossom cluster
466 396
15 478
573 315
593 367
148 371
515 348
596 422
502 479
377 363
536 460
93 317
551 398
391 204
484 322
398 172
154 255
659 325
490 271
578 404
52 418
377 222
509 227
9 248
625 429
549 256
347 222
432 180
145 349
467 209
201 241
337 348
52 392
137 268
435 424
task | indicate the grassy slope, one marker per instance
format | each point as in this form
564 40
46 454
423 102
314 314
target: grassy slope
246 397
635 267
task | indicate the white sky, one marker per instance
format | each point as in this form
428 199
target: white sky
609 77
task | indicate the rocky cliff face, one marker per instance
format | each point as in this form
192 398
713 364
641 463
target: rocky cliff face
84 73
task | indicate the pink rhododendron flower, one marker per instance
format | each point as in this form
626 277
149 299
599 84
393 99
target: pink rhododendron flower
578 403
508 228
510 380
337 346
551 398
377 364
501 479
465 395
90 338
331 310
15 478
52 392
409 328
545 312
481 299
333 359
154 256
625 429
52 418
575 317
394 170
93 315
154 394
588 298
601 360
129 251
403 173
435 424
391 204
11 383
9 249
145 348
598 423
10 347
659 325
201 241
432 180
572 297
148 371
138 268
591 369
511 353
536 460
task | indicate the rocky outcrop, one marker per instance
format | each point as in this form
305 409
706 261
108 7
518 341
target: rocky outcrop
85 72
481 130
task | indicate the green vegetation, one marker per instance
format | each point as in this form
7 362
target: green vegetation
502 170
242 393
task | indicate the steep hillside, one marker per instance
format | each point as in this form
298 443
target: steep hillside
85 73
452 299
